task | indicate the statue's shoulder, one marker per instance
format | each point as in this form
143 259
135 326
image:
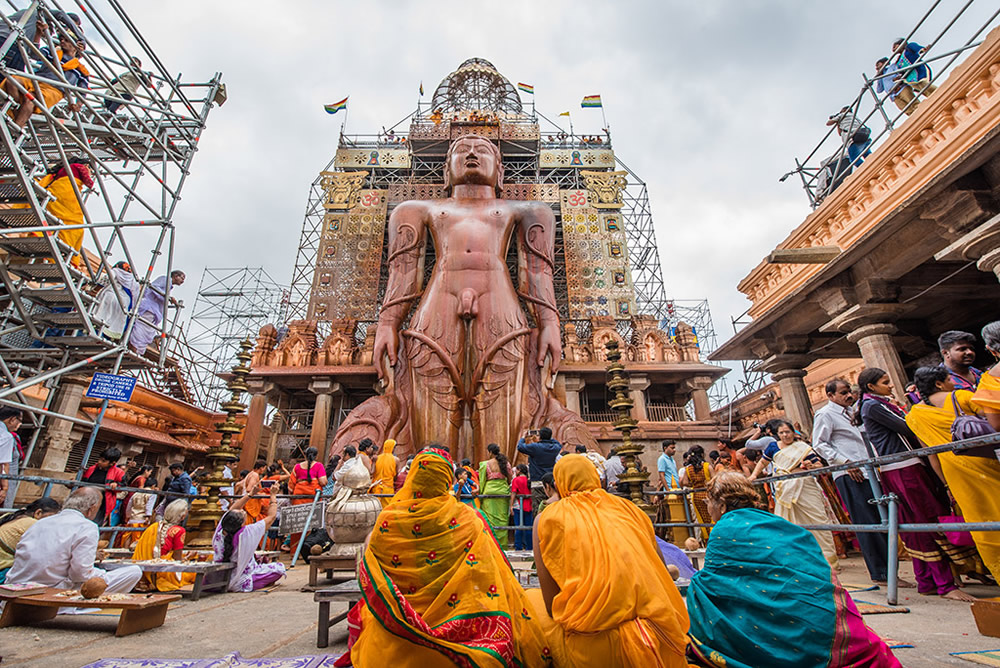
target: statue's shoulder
411 208
531 208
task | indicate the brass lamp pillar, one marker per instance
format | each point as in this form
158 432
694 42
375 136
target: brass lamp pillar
634 479
206 513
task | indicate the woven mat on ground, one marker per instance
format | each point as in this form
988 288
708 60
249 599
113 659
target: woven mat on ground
866 608
233 660
989 657
853 588
896 644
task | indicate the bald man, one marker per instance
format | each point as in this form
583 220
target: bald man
59 551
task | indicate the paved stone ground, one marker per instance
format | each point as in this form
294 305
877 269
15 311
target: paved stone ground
282 623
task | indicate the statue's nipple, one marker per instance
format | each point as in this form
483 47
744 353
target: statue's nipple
467 307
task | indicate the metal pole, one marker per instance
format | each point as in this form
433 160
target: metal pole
309 518
93 437
892 595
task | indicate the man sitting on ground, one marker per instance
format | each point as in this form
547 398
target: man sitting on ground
59 551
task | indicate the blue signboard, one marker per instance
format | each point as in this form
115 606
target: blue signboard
110 386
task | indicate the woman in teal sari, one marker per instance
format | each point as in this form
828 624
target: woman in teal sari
494 478
767 597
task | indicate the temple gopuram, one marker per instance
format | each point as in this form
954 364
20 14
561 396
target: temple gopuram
310 372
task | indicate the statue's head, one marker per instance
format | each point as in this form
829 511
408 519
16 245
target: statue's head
473 160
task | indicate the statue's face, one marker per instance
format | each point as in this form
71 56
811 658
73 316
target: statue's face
474 162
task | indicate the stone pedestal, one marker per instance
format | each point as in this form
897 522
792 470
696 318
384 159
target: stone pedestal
574 385
698 387
877 349
637 385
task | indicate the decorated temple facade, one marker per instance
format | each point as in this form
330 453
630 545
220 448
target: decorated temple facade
308 373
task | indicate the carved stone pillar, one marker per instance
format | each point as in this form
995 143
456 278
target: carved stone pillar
324 389
574 385
877 349
255 421
981 244
990 262
58 440
788 371
698 386
637 384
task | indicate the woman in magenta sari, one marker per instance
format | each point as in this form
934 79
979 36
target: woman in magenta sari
761 567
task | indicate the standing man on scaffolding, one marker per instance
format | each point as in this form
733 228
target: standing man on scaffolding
152 310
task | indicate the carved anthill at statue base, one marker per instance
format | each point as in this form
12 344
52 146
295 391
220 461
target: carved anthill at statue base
470 369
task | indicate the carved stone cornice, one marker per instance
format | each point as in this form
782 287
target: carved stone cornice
963 111
866 314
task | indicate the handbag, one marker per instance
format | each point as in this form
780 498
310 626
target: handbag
968 426
861 135
956 538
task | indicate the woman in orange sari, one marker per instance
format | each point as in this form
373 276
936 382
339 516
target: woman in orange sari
306 478
437 589
385 473
603 580
165 540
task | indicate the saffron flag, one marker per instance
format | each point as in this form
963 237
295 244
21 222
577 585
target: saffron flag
526 88
565 113
421 89
336 106
591 101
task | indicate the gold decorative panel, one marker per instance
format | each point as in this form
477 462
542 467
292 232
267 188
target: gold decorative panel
598 280
401 192
488 131
424 130
519 131
342 188
541 192
572 157
390 158
605 188
345 284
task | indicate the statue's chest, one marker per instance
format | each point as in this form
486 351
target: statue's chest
489 224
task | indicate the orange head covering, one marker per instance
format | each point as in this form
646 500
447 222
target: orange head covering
575 473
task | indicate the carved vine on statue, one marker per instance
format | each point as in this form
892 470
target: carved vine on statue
469 370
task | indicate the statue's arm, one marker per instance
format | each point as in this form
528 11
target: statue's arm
536 251
407 242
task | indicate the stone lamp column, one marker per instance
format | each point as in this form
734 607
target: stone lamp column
206 513
635 477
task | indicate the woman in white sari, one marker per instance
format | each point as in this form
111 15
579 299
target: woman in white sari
799 500
236 541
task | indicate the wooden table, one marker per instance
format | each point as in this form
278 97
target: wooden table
263 556
346 567
140 612
348 592
199 568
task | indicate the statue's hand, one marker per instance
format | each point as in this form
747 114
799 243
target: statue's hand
386 344
549 342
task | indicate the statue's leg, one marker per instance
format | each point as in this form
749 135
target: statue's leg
436 406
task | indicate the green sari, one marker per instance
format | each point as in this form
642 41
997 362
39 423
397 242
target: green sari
497 511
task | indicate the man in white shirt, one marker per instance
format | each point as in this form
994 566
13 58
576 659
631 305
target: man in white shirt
59 551
838 441
227 492
613 467
10 421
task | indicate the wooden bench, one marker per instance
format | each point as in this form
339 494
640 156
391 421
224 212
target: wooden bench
199 568
263 556
140 612
347 592
346 568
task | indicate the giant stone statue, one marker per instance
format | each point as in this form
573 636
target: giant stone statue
467 367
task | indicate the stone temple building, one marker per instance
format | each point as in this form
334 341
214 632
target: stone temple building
309 372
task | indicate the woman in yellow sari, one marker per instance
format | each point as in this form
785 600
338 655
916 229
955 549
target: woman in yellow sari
799 500
385 472
987 394
165 540
437 589
973 480
603 580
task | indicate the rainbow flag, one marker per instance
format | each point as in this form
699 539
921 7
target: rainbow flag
526 88
591 101
336 106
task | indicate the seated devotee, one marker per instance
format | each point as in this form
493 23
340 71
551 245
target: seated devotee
972 478
49 88
236 541
255 509
385 473
165 540
138 509
59 551
766 595
437 589
607 597
13 525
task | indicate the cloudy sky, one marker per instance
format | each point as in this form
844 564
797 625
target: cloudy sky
709 102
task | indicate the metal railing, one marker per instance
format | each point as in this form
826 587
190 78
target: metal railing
828 164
